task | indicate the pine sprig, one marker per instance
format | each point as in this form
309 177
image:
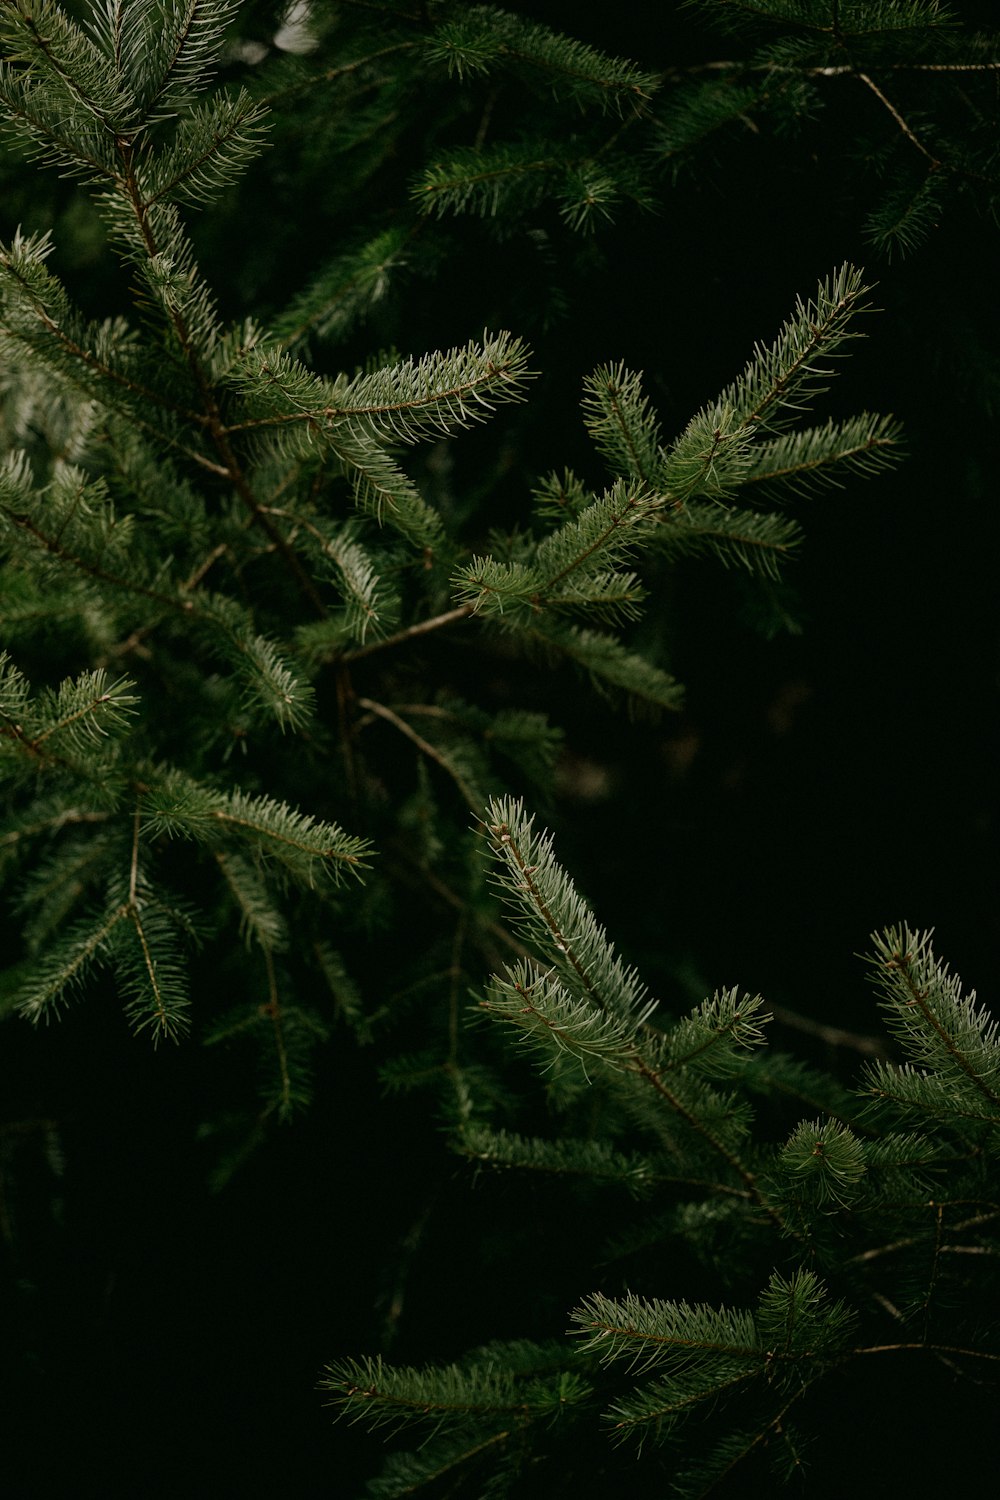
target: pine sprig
491 182
482 38
446 1459
344 292
714 454
271 685
906 215
66 727
952 1047
758 541
304 848
550 914
784 378
715 1038
70 873
825 1160
73 67
554 1020
33 113
369 602
621 422
261 920
696 113
149 969
212 147
593 1161
169 49
66 965
575 568
438 1396
610 667
709 1355
811 460
648 1333
400 403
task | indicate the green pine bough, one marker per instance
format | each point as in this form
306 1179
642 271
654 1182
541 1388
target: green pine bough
865 1232
240 596
184 498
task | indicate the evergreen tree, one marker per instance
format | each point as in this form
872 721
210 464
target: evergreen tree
298 596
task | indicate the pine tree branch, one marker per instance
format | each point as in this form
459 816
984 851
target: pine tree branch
298 846
83 712
501 832
77 961
820 334
638 466
181 40
654 1078
192 38
455 395
559 938
70 84
983 67
236 131
161 1018
341 294
637 502
677 1403
53 546
902 963
106 372
213 416
66 148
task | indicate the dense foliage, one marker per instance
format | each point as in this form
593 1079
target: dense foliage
320 569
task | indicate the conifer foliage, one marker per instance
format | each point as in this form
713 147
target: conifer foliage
717 1386
187 496
275 687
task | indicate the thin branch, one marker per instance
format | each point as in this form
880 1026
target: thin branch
411 632
927 1349
840 70
833 1036
332 74
916 1239
273 1009
53 824
904 127
431 751
133 878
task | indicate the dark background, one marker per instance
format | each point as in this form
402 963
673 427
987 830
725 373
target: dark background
162 1340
